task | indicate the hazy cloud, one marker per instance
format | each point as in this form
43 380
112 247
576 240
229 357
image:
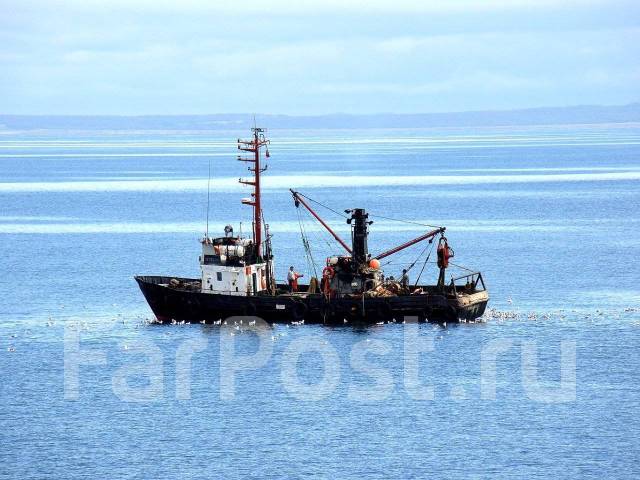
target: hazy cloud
196 56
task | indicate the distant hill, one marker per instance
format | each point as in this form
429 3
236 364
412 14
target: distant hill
532 116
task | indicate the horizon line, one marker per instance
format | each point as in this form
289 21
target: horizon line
343 114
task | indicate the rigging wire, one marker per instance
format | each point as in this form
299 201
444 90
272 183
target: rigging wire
426 260
463 268
320 239
304 241
370 214
303 237
311 264
418 257
323 205
410 266
208 197
404 221
320 236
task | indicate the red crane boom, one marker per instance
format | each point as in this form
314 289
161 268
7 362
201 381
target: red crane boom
427 235
298 199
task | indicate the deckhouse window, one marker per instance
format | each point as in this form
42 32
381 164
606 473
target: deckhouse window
219 276
211 259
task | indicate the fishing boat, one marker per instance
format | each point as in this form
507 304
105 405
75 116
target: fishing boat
238 278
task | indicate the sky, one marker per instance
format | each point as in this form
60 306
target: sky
137 57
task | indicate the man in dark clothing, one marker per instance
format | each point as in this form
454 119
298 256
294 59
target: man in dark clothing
404 280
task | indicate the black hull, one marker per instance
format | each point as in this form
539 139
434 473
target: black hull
169 304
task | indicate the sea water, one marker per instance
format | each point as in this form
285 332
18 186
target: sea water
549 214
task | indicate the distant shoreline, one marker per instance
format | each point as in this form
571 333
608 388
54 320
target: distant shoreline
532 116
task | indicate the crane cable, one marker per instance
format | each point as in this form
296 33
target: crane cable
463 268
371 214
315 237
418 257
426 260
405 221
311 264
323 205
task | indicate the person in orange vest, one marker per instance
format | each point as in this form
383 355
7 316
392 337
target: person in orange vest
293 277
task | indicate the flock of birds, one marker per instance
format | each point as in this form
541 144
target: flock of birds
239 326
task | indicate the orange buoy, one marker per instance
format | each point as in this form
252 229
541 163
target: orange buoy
374 263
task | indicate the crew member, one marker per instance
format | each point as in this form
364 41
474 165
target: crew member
293 277
404 279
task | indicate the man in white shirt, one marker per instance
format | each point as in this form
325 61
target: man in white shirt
292 278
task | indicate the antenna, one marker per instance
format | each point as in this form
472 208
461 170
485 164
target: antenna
208 197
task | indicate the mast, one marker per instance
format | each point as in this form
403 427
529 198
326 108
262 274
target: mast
253 146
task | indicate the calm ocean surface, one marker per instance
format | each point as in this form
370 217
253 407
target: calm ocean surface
550 215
